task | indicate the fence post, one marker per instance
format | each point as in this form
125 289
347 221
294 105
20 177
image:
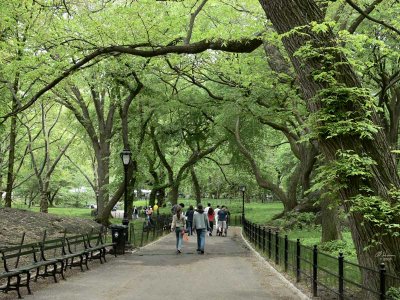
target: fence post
315 271
286 252
277 247
269 242
259 237
341 276
298 260
264 233
382 281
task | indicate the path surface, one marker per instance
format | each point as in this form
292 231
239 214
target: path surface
228 270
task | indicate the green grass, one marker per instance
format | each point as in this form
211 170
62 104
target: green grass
63 211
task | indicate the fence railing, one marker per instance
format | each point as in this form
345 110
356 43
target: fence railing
325 274
142 233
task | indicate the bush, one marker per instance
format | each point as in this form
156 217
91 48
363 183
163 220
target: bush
337 246
295 220
393 293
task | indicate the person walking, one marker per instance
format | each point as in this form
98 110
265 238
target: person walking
216 216
135 213
189 219
201 225
211 216
222 216
178 224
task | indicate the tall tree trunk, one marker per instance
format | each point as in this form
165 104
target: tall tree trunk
174 194
196 185
103 179
285 16
329 221
11 159
44 204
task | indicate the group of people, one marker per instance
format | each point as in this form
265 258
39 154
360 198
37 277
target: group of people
200 220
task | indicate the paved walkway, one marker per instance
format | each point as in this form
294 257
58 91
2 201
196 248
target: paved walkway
228 270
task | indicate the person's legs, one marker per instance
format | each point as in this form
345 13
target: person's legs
211 227
202 240
189 227
180 238
177 233
198 231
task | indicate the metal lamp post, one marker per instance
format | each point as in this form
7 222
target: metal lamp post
97 203
242 189
126 155
158 204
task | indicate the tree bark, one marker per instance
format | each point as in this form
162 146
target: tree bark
11 159
196 185
329 221
285 16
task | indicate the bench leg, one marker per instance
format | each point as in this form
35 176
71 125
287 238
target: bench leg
37 274
104 252
81 262
62 270
28 280
18 284
86 261
54 273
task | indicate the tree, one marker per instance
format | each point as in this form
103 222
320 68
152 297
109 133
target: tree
347 127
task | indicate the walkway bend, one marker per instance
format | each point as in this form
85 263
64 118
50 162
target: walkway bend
228 270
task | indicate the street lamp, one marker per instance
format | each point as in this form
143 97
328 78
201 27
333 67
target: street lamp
158 202
126 159
242 189
97 202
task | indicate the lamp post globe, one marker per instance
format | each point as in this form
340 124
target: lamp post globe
126 155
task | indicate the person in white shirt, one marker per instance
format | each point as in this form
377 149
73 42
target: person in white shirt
207 208
216 216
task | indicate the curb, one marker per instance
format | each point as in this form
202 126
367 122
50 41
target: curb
299 293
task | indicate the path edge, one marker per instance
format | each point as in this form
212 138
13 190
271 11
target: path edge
298 292
149 244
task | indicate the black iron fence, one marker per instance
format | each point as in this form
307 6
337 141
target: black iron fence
327 276
142 233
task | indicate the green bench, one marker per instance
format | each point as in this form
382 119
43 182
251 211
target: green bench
48 258
24 262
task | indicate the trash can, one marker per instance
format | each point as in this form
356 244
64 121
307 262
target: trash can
119 235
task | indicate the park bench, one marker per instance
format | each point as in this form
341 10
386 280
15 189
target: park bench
23 262
76 248
96 246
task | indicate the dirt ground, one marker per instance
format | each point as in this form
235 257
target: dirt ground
14 222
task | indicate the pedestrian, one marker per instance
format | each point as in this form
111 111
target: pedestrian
216 216
201 225
175 207
149 213
178 225
207 208
135 213
189 219
211 216
222 216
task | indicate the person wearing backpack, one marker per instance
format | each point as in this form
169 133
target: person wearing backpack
201 225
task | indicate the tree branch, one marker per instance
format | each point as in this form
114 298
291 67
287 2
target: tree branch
353 5
242 46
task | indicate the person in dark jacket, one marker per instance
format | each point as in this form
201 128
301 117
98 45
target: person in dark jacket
189 221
